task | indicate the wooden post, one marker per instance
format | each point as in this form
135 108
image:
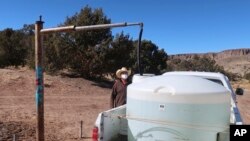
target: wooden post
14 137
39 80
81 136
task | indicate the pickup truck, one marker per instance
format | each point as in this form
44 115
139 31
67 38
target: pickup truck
184 122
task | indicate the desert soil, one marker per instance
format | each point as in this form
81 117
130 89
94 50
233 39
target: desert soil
68 101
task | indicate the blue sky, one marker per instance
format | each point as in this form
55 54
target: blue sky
177 26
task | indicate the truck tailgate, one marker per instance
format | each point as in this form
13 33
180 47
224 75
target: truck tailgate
114 124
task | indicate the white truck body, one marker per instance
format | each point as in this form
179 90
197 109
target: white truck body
112 125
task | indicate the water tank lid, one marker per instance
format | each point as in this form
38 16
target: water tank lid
178 85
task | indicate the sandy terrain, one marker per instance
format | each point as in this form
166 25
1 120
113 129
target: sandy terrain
243 101
67 102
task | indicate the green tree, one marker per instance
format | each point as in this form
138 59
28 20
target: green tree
55 53
86 45
28 32
123 52
119 53
80 51
12 50
153 59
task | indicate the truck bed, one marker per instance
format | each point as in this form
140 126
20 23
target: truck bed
114 124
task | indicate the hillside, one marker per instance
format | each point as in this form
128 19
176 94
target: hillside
235 61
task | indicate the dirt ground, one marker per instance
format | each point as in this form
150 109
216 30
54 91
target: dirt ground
243 101
68 101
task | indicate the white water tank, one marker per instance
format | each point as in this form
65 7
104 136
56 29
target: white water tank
139 78
174 108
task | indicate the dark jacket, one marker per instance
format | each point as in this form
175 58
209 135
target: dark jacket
119 94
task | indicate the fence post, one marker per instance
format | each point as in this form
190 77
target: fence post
39 80
81 123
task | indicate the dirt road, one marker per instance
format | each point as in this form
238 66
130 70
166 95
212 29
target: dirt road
244 106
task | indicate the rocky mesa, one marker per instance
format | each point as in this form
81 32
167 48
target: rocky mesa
234 60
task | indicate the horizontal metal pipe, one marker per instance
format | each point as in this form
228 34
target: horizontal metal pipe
132 24
90 27
58 29
101 26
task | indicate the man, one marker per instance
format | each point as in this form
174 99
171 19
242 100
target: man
119 90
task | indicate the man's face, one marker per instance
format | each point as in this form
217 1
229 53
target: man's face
124 75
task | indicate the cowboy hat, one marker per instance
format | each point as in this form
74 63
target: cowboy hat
119 71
